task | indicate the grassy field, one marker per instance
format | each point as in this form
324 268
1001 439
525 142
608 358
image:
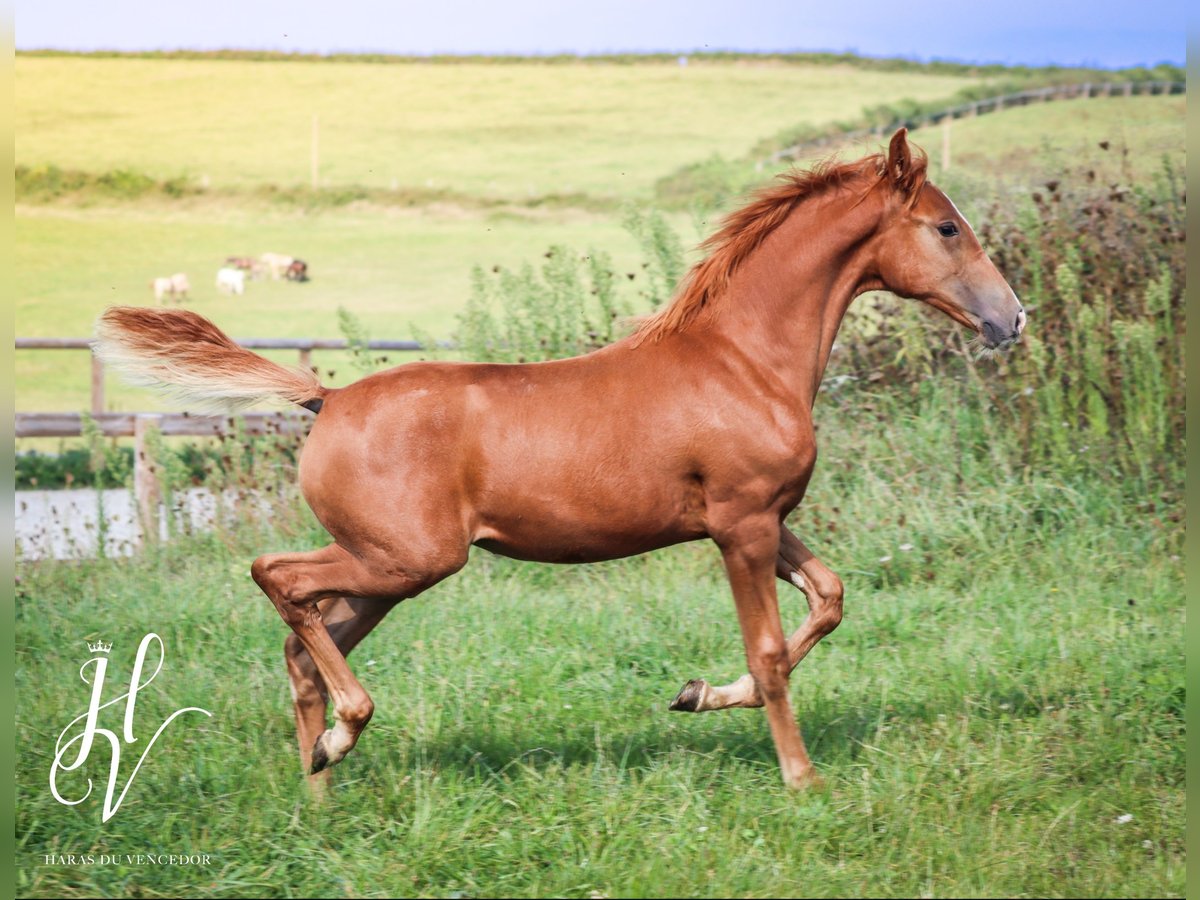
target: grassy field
1140 131
504 130
481 131
1000 714
390 270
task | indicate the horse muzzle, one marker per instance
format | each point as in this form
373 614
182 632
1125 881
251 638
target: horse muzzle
999 336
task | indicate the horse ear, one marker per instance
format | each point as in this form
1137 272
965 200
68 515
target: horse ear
899 157
905 173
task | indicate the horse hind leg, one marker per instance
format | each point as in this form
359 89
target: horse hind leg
297 582
349 620
796 565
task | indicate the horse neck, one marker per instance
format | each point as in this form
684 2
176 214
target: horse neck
785 303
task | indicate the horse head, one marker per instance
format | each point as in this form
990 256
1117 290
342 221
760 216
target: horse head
927 251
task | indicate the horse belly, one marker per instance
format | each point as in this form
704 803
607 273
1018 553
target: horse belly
554 523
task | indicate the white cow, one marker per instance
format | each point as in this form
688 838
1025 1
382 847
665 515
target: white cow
162 288
180 286
231 281
176 287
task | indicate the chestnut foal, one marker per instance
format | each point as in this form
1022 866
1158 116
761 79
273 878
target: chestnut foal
699 425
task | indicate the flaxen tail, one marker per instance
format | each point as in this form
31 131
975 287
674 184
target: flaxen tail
195 362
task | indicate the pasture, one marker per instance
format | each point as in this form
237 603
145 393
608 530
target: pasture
513 131
390 270
510 133
1000 713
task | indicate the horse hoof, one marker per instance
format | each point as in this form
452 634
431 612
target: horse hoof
806 781
320 757
690 697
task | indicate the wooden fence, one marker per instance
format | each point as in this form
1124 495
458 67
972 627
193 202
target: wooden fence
138 425
981 107
33 421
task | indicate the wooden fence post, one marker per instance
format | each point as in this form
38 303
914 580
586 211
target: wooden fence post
97 385
146 488
946 144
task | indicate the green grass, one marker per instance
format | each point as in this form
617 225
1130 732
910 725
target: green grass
992 156
514 130
1140 131
998 696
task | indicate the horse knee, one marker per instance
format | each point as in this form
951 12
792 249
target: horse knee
769 667
825 592
831 606
261 572
357 712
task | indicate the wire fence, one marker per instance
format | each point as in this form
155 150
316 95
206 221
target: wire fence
979 108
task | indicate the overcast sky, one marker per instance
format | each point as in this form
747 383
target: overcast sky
1037 32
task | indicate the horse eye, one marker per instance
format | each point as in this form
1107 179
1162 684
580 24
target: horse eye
947 229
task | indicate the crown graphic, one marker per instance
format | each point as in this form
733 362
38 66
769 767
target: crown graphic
99 647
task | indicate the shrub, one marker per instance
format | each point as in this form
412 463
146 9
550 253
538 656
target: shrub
1097 383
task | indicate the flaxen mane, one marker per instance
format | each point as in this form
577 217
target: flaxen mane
744 230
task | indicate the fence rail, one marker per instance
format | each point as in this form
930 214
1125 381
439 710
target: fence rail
981 107
138 425
67 424
305 347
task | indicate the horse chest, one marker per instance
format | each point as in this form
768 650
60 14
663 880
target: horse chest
768 467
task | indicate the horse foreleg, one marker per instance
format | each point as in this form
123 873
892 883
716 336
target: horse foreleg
749 554
796 565
349 620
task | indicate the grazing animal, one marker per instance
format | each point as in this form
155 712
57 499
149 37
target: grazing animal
698 425
176 288
277 264
162 288
297 271
246 264
180 286
231 281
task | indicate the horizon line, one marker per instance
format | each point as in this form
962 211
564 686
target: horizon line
587 54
